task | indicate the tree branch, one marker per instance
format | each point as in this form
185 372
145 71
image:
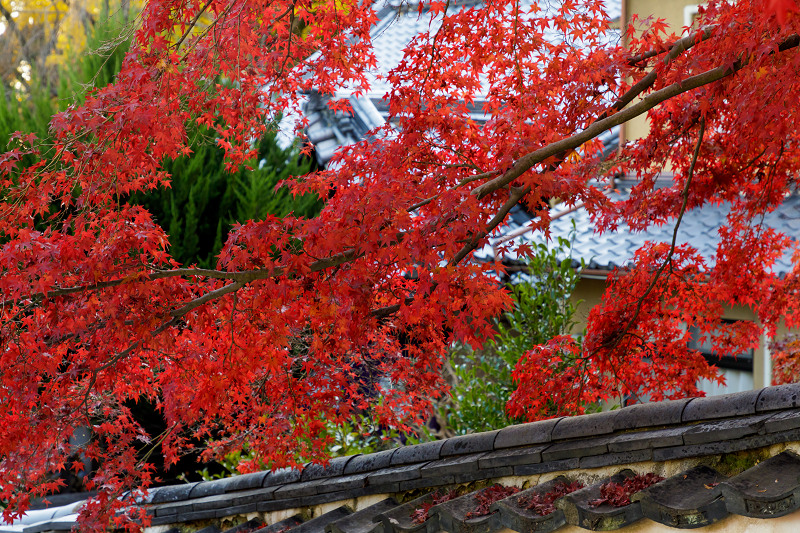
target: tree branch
647 103
614 341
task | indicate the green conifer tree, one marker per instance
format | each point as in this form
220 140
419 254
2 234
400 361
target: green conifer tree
204 198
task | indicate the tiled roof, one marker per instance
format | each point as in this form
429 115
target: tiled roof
699 228
328 130
398 23
721 456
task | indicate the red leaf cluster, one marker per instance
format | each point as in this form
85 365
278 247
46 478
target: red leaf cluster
786 360
619 494
302 323
543 504
421 514
486 497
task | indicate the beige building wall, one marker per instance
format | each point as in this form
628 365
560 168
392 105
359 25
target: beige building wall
673 12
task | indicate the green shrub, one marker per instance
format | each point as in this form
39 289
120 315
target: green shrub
481 379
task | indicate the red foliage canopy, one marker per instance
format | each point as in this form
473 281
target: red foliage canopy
267 348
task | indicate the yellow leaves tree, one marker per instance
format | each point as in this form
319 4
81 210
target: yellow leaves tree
41 35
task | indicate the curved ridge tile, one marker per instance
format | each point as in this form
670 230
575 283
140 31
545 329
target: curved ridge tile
769 489
515 517
779 397
687 500
579 512
525 434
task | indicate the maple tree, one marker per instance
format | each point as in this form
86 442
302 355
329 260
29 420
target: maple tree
267 348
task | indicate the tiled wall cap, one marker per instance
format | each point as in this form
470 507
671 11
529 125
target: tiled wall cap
429 451
297 490
369 462
473 443
780 397
512 456
726 405
279 477
172 493
652 438
347 482
335 467
644 415
210 488
246 481
395 474
585 425
452 465
725 429
783 421
523 434
576 448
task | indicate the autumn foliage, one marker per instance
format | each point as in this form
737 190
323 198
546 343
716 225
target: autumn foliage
619 494
544 504
275 342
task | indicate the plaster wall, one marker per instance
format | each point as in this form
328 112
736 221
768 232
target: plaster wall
672 12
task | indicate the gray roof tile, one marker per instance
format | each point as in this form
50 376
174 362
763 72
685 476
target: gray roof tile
690 499
335 467
726 429
768 489
585 425
476 442
645 414
580 512
779 397
428 451
725 405
369 462
699 228
512 456
522 434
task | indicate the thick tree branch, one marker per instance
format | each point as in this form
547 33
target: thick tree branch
647 103
239 277
675 50
515 195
